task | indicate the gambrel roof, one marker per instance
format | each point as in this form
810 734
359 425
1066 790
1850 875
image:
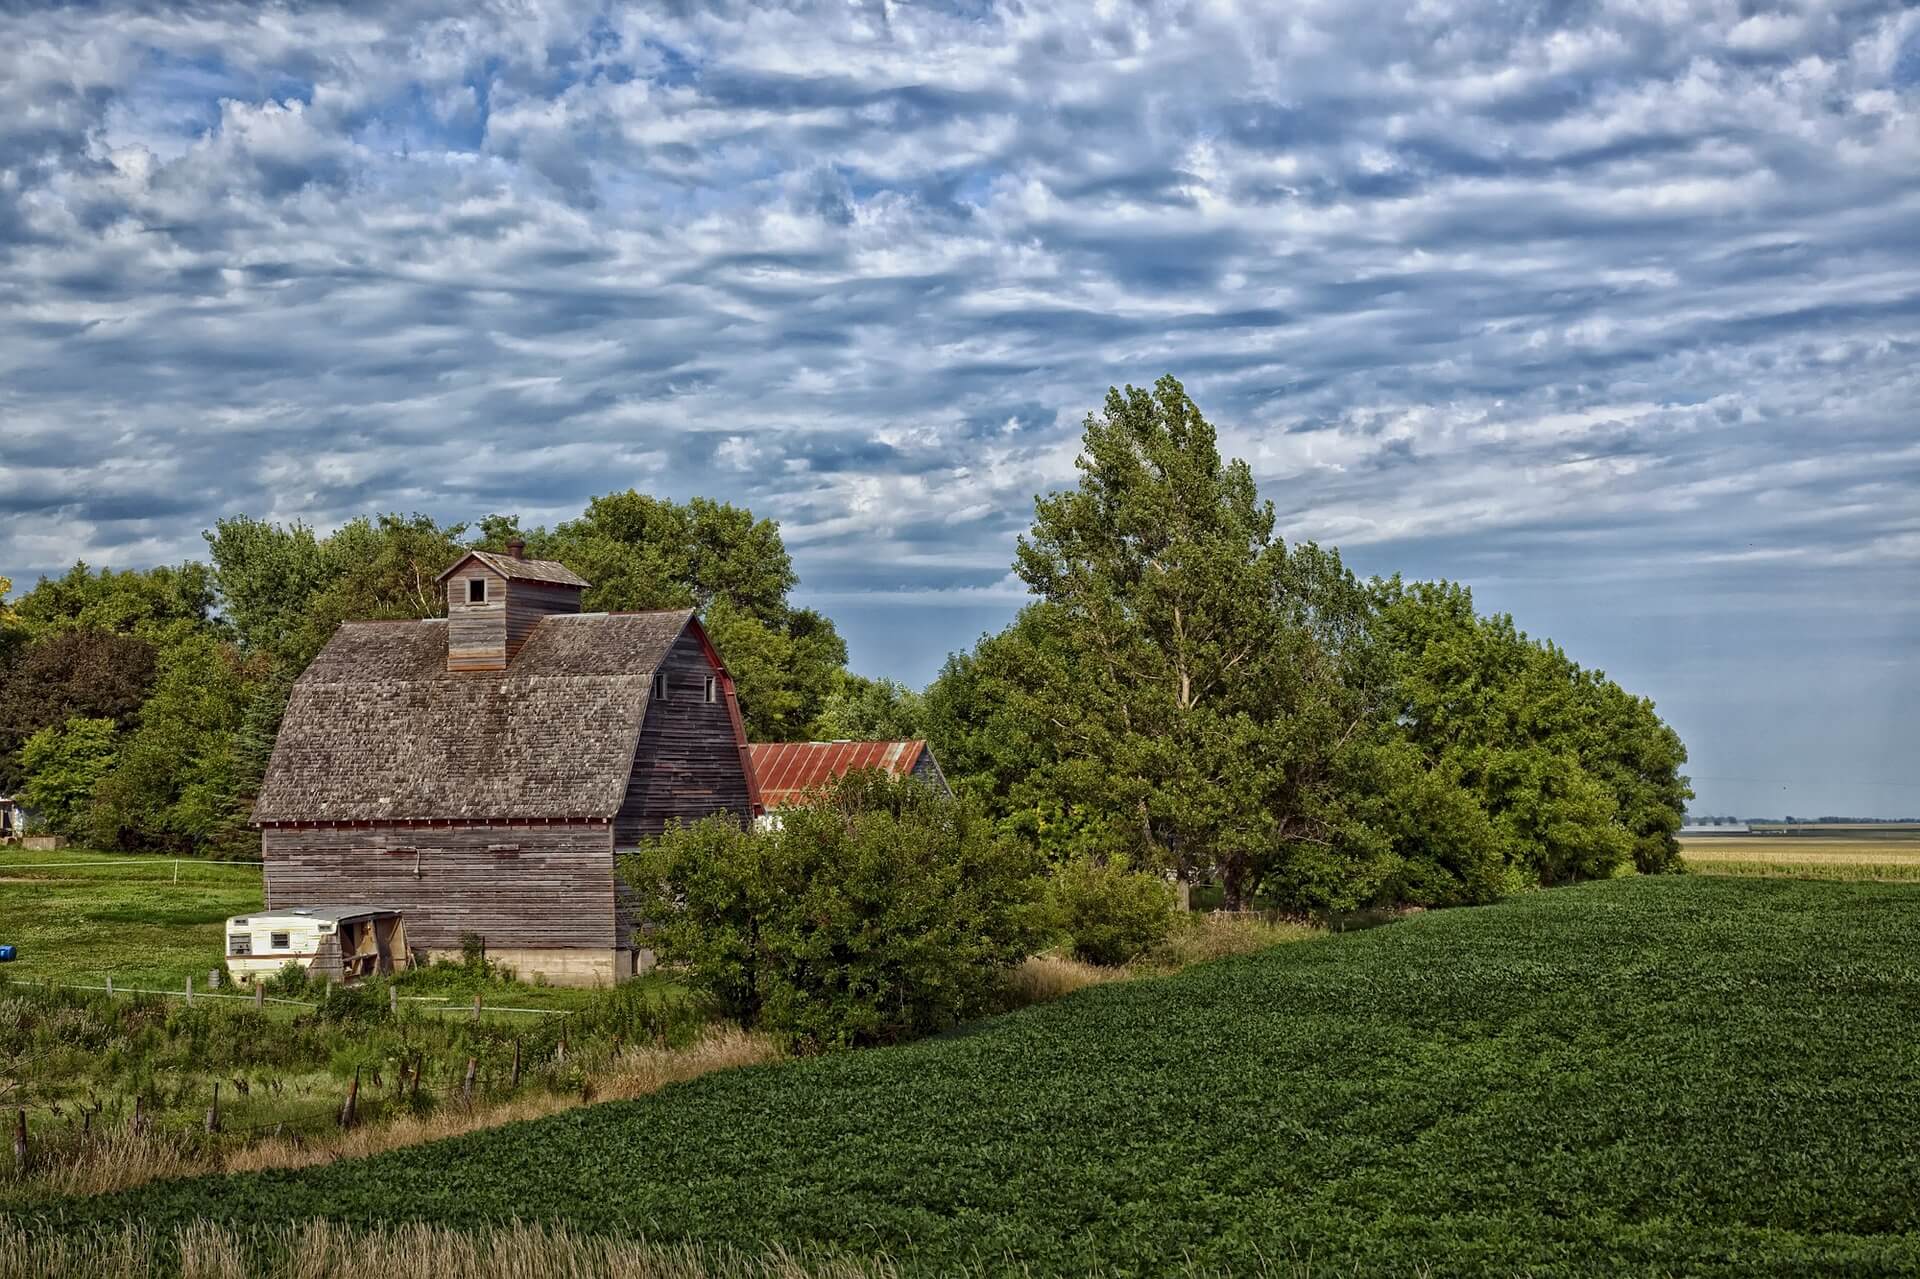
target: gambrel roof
377 729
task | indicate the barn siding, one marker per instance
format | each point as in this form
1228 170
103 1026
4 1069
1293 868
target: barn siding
555 891
476 633
927 769
688 763
528 602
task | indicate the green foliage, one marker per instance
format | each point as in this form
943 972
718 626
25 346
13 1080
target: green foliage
146 602
1576 777
176 777
64 764
884 911
294 980
1508 1090
1109 912
1187 689
286 1065
861 709
70 674
286 589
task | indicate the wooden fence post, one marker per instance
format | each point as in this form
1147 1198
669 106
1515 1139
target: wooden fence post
109 985
139 1116
189 992
20 1142
413 1091
466 1086
513 1080
259 993
476 1006
393 1001
353 1100
213 1111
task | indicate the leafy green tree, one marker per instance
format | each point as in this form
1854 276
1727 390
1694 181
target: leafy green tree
1176 691
7 615
1575 776
175 780
287 589
268 577
64 764
70 674
144 602
883 911
1109 912
862 709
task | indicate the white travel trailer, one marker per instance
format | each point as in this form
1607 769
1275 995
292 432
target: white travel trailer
344 943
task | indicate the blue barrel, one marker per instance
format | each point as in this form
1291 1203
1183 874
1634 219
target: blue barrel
6 953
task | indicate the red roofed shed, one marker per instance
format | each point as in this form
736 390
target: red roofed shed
787 771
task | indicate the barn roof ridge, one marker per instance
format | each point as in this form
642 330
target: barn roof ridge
513 567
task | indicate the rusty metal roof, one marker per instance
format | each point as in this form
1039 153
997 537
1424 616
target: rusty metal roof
787 771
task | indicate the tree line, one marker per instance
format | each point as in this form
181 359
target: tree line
1184 690
1188 690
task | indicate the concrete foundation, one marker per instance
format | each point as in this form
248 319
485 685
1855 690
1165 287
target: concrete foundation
557 966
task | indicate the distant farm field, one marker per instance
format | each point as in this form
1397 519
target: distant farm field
1850 853
1676 1075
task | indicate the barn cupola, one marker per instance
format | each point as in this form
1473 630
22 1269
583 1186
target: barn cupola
495 600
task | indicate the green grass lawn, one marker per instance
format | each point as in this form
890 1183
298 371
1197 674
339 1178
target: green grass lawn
80 917
86 916
1681 1075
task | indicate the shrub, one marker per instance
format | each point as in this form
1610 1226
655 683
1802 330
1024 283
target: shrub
293 981
882 911
1109 912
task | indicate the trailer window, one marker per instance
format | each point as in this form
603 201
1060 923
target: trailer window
239 943
280 941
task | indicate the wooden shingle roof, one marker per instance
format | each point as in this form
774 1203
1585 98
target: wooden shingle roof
786 771
377 729
513 567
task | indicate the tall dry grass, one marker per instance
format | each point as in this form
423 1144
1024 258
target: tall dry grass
325 1250
121 1160
1201 937
1195 939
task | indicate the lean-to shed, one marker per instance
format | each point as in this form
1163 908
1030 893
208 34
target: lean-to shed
786 772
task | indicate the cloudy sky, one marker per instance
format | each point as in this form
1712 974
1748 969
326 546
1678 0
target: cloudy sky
1609 310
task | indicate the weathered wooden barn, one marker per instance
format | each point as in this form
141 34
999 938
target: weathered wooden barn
481 772
786 772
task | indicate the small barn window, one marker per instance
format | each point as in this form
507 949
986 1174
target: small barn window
476 590
712 690
280 941
659 686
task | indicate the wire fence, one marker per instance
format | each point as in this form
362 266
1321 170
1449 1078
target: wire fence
441 1003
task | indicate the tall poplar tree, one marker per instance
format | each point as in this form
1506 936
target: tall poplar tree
1192 707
